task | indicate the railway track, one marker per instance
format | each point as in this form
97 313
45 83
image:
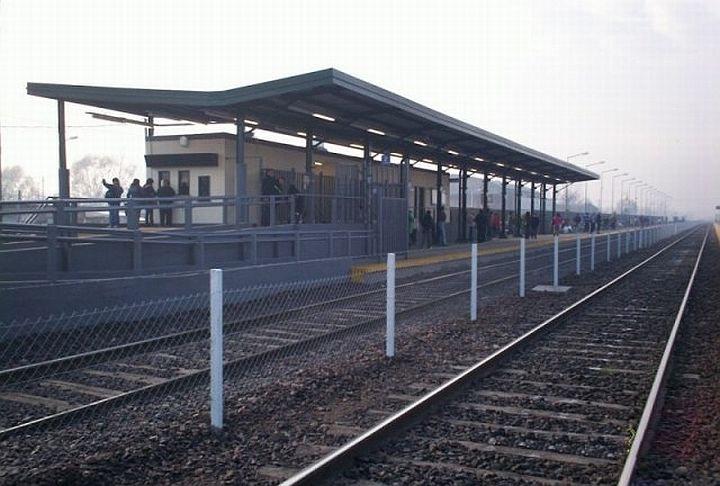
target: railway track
57 389
560 405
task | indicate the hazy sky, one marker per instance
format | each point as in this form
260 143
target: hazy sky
633 82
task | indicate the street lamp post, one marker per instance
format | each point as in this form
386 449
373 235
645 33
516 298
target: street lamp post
586 184
612 190
567 188
601 186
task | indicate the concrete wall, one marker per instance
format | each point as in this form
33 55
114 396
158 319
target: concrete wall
33 301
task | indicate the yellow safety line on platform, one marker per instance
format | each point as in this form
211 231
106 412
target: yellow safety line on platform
357 272
717 231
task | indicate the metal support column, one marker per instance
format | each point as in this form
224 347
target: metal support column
554 200
463 215
543 207
486 178
518 207
438 205
63 175
367 187
532 199
240 169
311 201
502 215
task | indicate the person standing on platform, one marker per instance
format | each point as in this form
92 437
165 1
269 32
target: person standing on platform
442 233
556 224
481 224
527 225
114 191
427 226
535 222
133 214
166 191
149 191
412 231
598 222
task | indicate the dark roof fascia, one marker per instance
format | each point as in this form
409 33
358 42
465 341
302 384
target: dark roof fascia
294 84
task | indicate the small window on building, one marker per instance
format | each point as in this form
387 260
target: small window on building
183 182
204 186
163 175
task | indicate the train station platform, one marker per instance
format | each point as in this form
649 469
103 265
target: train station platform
437 255
454 252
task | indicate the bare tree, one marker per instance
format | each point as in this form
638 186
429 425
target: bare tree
86 175
17 185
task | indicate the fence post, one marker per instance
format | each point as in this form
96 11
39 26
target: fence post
188 214
473 283
522 267
390 307
592 252
199 251
619 245
608 247
137 251
216 349
556 261
577 255
52 252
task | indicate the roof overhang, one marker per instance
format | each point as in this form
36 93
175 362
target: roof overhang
358 112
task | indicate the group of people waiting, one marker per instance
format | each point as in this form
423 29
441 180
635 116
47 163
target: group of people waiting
428 232
115 191
276 186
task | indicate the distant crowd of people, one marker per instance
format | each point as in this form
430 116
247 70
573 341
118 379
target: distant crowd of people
115 191
277 186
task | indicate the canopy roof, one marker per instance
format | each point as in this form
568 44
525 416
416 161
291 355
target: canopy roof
338 108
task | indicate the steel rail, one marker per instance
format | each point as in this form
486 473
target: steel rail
203 375
643 435
326 467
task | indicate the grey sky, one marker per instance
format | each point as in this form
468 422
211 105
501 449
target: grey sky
633 82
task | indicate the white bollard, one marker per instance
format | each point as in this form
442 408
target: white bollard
577 255
592 252
556 261
608 247
390 307
473 284
216 348
619 237
522 267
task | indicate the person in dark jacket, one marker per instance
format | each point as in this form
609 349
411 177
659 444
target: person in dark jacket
149 191
113 193
481 225
133 214
165 191
427 226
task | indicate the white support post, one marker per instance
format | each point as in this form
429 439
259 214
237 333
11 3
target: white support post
390 307
556 261
216 349
627 242
608 247
635 240
522 267
619 251
592 252
577 255
473 283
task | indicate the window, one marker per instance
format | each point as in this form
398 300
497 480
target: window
183 182
204 186
163 175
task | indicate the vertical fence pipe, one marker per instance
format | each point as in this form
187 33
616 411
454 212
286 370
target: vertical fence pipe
52 252
522 267
608 247
473 283
619 245
216 349
592 252
556 261
577 255
390 307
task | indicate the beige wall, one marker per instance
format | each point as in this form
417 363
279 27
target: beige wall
263 155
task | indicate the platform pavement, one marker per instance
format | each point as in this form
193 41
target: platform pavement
461 251
717 231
